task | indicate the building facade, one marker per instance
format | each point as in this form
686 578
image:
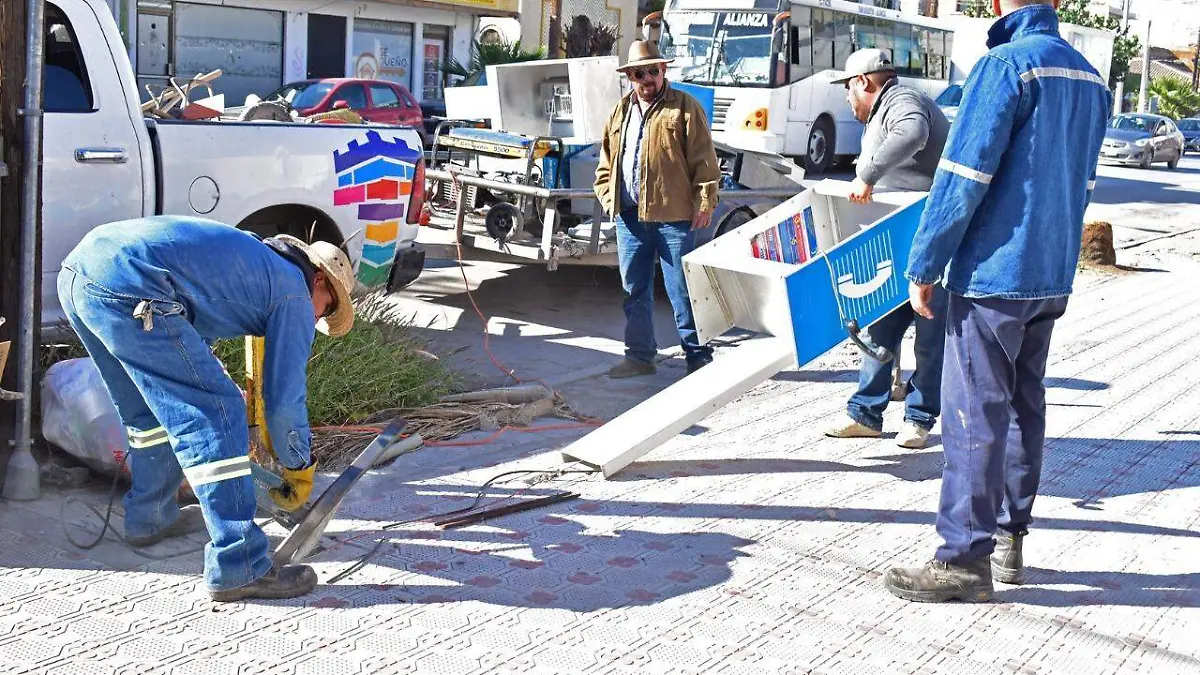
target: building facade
259 45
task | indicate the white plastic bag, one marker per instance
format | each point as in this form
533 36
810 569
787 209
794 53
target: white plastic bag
79 417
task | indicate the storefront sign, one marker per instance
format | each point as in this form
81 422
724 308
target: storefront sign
383 51
432 89
499 6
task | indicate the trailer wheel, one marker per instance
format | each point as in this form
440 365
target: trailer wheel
818 152
502 219
735 219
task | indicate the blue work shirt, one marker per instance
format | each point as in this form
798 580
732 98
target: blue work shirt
1007 203
231 285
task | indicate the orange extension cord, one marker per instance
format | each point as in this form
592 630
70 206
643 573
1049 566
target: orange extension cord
496 362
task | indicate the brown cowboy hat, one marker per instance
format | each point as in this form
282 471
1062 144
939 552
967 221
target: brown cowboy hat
336 265
642 53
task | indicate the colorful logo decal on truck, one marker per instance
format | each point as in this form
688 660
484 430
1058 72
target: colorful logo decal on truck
376 177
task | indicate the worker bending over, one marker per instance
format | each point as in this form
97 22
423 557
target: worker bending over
148 298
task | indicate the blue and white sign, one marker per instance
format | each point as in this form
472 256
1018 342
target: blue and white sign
861 278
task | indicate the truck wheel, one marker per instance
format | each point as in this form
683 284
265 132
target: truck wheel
819 149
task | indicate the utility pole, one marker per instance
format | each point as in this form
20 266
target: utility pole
1145 70
1196 64
12 87
556 36
21 34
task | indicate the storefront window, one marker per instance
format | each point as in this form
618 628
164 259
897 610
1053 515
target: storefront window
245 44
383 51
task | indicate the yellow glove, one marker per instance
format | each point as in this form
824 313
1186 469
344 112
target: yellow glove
297 485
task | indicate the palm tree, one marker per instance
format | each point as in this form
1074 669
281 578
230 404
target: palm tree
483 56
1175 97
584 38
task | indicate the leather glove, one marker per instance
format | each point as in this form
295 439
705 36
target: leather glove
297 486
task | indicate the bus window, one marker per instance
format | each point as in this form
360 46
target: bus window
906 54
843 38
865 33
822 39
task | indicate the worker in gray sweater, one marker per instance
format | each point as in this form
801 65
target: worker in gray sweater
901 146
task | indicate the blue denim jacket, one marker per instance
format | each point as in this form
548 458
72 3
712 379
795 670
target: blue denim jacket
1006 208
230 284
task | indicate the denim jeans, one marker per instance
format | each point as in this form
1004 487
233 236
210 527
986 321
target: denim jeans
996 352
184 417
638 246
922 401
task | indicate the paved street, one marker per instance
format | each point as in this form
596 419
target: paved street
750 544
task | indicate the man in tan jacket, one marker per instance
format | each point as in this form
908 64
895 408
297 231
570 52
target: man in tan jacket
658 175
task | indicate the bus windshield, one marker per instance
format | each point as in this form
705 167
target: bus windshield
721 48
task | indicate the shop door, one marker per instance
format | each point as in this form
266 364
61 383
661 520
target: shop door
434 46
153 51
326 46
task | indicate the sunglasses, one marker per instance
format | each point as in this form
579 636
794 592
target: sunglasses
641 73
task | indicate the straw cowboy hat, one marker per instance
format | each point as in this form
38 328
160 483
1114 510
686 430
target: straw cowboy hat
642 53
336 265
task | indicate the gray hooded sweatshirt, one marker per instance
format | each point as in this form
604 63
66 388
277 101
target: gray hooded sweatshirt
903 140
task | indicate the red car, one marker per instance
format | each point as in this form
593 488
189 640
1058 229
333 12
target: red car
374 100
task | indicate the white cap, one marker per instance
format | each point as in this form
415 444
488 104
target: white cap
865 62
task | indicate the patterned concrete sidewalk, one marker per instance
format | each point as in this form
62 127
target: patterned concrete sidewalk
750 545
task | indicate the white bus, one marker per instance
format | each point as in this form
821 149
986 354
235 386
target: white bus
770 63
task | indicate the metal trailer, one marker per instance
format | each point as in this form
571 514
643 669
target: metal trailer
807 275
553 246
753 183
525 142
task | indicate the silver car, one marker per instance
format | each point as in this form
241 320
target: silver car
1141 139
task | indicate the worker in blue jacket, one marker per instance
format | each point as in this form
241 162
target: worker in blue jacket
1005 214
147 298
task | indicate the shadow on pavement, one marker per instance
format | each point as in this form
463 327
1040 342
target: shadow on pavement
1105 588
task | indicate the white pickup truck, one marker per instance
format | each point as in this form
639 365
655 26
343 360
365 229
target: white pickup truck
362 185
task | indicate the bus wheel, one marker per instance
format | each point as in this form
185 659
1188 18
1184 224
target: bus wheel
819 149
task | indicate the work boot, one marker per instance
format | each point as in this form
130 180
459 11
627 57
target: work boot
848 427
938 581
631 368
189 521
289 581
1008 565
912 436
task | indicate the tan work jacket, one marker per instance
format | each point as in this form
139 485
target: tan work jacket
679 170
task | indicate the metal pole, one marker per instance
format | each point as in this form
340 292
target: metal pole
1145 70
22 481
1196 64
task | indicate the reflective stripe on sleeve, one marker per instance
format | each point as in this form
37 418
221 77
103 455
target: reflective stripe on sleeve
146 439
965 171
